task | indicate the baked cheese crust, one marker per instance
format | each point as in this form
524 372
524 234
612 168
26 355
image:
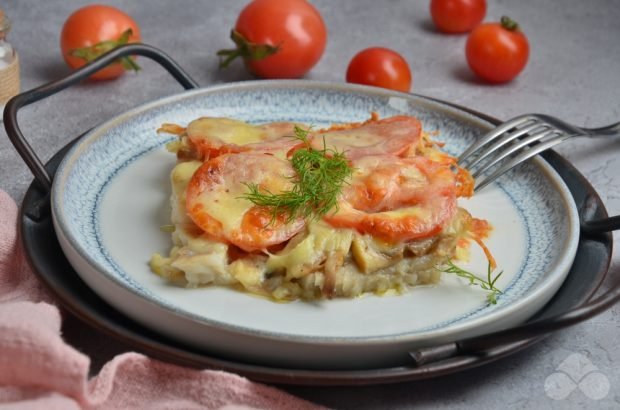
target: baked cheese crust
396 220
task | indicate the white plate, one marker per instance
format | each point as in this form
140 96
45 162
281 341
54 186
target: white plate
111 194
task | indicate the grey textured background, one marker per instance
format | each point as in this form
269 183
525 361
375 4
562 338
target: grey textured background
572 73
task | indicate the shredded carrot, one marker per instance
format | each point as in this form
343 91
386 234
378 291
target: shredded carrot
487 253
478 231
464 183
374 116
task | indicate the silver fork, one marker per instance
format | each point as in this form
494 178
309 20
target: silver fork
519 139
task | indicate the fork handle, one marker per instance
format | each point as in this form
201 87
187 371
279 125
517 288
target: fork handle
607 131
596 226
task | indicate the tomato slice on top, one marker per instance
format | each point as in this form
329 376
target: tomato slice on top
393 135
397 199
215 136
214 200
387 182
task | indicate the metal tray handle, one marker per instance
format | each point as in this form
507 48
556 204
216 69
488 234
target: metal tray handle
12 107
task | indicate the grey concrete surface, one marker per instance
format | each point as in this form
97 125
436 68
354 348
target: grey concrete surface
573 73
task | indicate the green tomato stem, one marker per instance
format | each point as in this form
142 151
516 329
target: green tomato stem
509 24
88 54
245 49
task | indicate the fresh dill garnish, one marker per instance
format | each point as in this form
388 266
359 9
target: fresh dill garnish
318 181
487 284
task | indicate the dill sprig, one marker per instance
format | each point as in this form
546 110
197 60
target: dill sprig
318 181
487 284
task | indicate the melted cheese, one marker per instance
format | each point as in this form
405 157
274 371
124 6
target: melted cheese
226 130
376 137
215 136
306 255
179 178
227 208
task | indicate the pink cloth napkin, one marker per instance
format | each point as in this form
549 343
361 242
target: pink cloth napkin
38 370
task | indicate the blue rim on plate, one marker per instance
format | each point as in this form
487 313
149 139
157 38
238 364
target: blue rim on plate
86 187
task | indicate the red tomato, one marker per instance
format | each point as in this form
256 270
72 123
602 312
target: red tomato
214 136
380 67
394 135
457 16
382 184
278 39
497 52
93 30
223 180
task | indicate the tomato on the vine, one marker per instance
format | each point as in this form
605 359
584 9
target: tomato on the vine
457 16
380 67
93 30
278 39
497 52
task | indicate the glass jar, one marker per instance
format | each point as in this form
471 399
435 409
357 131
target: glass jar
9 63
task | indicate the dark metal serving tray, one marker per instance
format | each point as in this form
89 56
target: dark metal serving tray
574 302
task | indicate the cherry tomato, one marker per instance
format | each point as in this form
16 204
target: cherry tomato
380 67
94 30
497 52
278 39
457 16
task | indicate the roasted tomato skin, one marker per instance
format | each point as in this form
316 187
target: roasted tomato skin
419 209
224 179
393 135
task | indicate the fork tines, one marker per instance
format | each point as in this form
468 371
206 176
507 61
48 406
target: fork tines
508 145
